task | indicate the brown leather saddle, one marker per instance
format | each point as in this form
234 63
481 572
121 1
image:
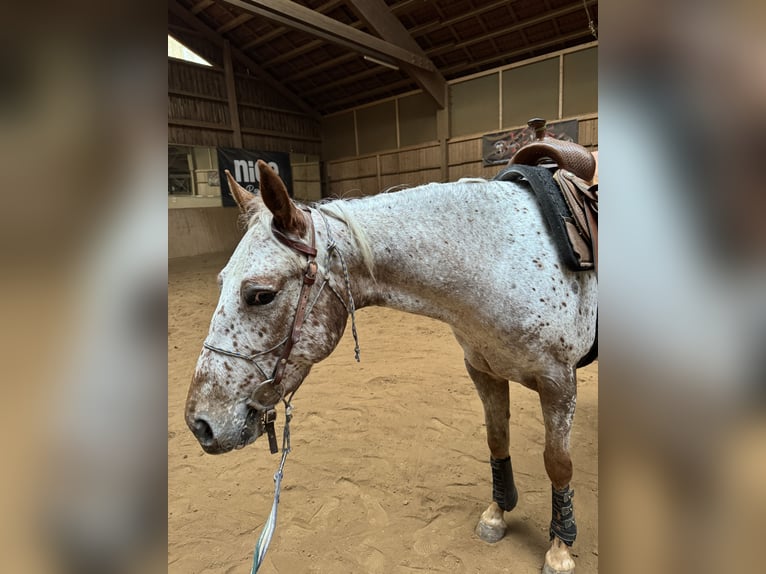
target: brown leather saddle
573 216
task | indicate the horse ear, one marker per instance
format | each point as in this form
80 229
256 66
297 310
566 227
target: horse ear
287 217
243 197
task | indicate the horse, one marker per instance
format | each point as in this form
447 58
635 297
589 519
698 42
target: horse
475 254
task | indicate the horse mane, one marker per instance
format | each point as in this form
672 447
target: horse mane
336 210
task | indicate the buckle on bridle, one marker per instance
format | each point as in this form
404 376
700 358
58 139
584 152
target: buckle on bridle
310 277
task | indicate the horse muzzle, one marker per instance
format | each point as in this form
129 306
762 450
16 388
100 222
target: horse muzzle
220 437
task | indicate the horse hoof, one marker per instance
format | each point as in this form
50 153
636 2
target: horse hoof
491 526
490 532
558 560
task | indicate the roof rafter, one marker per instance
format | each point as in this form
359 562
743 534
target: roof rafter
376 14
518 26
201 5
296 16
234 23
279 30
528 49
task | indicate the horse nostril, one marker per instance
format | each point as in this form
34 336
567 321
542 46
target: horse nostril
203 431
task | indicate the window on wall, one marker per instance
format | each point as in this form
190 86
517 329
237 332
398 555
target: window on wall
376 127
177 50
580 82
531 91
193 171
180 170
474 106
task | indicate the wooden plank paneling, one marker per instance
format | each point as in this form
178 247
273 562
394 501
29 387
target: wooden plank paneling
420 165
588 133
350 169
464 151
199 113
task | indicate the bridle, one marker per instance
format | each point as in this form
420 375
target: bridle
271 391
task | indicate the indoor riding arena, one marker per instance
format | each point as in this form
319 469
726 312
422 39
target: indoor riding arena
389 470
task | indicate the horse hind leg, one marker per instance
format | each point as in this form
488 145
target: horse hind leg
558 396
493 392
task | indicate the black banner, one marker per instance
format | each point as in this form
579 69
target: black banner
241 164
499 147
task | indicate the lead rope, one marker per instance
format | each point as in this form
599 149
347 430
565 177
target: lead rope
271 522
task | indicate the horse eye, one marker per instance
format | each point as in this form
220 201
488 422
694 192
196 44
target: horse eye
258 297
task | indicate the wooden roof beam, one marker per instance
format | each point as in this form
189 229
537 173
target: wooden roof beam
201 5
431 26
234 23
265 38
521 51
319 68
192 21
378 17
306 47
519 26
387 89
278 31
299 17
348 79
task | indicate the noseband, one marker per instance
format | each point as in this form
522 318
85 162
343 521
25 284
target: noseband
271 391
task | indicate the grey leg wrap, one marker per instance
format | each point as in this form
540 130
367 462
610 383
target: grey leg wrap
563 522
503 489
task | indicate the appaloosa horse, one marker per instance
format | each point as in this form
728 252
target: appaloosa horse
475 254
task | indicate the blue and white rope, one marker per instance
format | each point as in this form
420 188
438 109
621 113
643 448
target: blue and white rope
264 540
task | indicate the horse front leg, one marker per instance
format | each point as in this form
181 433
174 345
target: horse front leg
493 392
558 397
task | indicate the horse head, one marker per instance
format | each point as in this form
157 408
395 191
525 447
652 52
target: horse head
273 321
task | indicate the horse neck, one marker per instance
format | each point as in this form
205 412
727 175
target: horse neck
414 249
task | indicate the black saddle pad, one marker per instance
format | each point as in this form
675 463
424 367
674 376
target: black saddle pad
553 205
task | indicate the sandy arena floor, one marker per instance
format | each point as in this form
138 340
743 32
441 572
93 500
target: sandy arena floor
389 470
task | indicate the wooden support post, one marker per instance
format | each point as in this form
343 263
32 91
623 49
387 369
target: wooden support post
231 93
442 132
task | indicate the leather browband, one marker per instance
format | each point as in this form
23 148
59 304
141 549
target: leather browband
296 244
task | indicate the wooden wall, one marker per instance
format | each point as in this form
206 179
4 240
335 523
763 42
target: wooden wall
370 174
416 165
307 182
486 102
465 153
200 230
199 113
